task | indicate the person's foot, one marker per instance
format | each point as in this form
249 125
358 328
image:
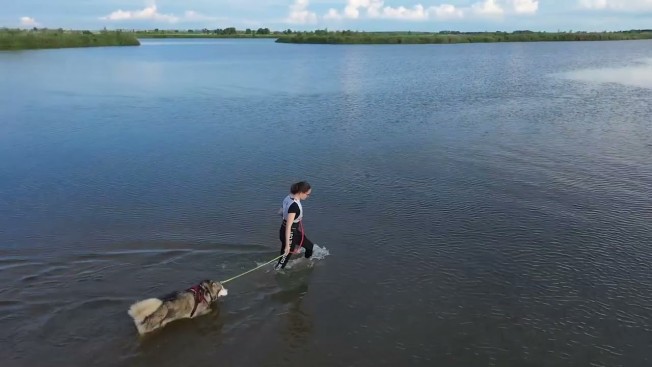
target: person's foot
279 264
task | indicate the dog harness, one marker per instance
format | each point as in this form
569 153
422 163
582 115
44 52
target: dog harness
199 293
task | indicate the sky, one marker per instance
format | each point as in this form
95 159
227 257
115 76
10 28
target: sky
360 15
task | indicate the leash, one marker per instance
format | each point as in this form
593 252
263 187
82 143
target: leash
249 271
272 260
302 237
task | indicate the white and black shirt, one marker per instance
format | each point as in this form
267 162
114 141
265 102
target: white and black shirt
291 205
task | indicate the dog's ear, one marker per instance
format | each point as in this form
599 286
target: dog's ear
205 285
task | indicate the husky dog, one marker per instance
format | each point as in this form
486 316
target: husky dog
154 313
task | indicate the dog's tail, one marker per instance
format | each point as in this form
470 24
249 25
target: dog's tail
139 311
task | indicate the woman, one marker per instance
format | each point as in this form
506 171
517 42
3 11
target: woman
291 232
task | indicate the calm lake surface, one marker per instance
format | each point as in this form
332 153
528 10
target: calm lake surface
473 204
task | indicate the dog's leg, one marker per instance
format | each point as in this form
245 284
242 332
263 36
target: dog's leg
156 320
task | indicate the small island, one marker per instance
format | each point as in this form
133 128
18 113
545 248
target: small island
19 39
445 37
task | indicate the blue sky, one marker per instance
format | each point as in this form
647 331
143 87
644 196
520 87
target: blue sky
372 15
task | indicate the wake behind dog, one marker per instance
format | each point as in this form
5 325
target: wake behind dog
154 313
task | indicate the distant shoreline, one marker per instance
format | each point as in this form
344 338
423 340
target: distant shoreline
349 37
17 39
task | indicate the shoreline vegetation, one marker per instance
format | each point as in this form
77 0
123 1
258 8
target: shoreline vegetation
446 37
22 39
354 37
18 39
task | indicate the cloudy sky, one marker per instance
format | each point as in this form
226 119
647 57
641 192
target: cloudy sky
373 15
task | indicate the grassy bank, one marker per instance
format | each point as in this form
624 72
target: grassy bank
16 39
349 37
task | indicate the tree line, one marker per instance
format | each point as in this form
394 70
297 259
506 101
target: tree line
38 38
355 37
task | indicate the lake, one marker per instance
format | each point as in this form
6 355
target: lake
473 204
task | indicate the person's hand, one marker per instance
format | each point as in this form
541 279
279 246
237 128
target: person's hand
287 250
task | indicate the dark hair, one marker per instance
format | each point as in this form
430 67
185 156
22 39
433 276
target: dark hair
300 187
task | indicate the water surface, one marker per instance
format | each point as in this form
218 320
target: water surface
480 204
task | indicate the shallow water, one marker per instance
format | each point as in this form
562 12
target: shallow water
482 204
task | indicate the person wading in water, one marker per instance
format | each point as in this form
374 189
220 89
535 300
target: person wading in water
291 232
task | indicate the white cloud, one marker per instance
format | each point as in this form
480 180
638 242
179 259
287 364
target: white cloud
622 5
402 13
487 7
352 9
28 22
417 12
333 14
376 9
151 13
525 6
299 13
446 11
355 9
593 4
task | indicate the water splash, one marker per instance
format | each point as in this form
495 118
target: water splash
298 260
319 253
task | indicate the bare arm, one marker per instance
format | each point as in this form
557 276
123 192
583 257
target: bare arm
288 231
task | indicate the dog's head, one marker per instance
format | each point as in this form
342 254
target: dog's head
213 289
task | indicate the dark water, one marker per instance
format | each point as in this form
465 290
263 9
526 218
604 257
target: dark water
476 205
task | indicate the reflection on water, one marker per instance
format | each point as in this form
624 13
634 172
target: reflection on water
298 324
635 76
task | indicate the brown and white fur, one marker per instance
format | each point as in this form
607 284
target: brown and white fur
154 313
